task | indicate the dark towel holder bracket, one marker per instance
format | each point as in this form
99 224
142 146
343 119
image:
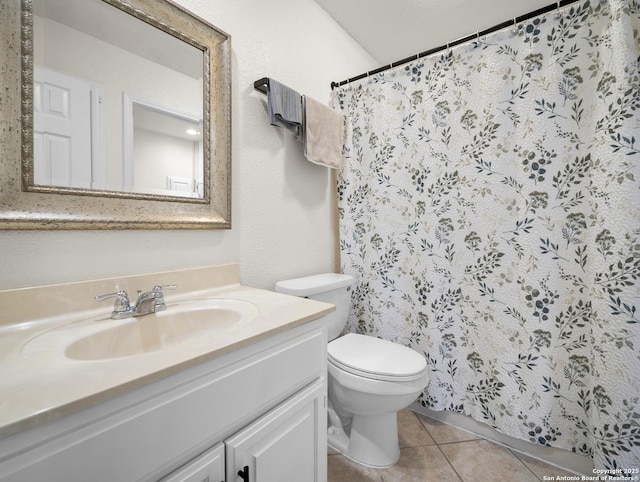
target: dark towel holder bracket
262 85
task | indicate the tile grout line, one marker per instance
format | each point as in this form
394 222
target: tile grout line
437 444
522 462
450 464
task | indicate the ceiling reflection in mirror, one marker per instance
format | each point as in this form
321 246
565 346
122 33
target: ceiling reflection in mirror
113 101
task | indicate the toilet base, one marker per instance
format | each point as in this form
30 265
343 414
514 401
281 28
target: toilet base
373 441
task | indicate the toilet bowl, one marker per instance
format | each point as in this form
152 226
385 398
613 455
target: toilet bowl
369 379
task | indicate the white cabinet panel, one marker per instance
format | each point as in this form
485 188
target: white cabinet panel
287 443
209 467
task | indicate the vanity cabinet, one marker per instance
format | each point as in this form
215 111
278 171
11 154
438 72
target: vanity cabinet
280 445
261 405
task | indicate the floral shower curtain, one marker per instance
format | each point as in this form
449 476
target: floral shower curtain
490 213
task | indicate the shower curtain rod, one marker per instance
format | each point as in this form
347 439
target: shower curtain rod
495 28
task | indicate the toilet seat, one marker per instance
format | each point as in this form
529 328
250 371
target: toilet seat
377 359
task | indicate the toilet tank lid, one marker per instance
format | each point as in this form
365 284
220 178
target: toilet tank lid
311 285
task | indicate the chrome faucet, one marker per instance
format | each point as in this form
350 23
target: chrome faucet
147 302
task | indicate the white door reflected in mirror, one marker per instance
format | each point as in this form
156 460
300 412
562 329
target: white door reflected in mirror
62 129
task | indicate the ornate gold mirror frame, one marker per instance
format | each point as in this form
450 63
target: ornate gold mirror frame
88 209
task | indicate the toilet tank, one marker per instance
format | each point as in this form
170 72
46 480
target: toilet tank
331 288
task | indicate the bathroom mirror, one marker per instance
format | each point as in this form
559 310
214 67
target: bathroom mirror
123 115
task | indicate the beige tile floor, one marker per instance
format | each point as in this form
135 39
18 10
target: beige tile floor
433 451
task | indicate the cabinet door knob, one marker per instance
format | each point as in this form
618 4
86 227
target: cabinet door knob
244 473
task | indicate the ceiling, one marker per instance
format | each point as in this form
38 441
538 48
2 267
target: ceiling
391 30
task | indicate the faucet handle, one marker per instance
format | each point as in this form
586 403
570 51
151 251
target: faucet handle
158 288
159 304
121 305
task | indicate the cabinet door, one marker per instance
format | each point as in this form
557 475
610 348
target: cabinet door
287 443
208 467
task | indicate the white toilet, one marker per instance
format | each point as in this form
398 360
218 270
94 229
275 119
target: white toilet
370 379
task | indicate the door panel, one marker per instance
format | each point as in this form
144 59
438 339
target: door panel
283 444
62 130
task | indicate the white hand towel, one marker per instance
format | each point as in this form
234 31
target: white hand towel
323 134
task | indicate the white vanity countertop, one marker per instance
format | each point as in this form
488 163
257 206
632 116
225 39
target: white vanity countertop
34 390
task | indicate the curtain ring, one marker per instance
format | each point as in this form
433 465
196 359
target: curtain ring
515 30
558 15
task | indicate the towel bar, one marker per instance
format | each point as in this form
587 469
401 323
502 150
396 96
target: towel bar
262 85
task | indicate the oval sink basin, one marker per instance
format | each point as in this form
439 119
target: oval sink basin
178 324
